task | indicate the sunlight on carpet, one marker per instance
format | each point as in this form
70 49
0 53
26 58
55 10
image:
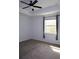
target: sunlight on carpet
55 49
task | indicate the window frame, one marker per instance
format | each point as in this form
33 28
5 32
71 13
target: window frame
56 26
52 24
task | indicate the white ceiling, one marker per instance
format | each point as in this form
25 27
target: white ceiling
48 6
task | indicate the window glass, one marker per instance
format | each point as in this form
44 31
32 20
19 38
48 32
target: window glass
50 26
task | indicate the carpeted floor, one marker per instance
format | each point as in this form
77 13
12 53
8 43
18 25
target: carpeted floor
33 49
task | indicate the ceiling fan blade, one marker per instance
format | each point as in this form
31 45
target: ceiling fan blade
25 7
37 6
30 2
24 2
35 2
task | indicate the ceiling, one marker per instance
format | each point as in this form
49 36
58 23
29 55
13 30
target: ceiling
48 6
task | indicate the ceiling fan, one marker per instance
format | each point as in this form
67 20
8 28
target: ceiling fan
32 3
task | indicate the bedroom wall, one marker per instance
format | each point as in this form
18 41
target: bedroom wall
38 31
24 27
31 27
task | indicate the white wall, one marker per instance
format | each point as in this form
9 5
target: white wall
38 31
31 27
24 27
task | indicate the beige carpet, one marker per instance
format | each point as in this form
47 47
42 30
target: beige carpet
33 49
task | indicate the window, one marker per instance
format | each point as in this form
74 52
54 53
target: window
50 26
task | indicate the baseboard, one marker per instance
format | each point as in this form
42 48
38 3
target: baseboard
58 45
25 40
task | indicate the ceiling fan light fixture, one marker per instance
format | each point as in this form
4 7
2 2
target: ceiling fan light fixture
32 9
